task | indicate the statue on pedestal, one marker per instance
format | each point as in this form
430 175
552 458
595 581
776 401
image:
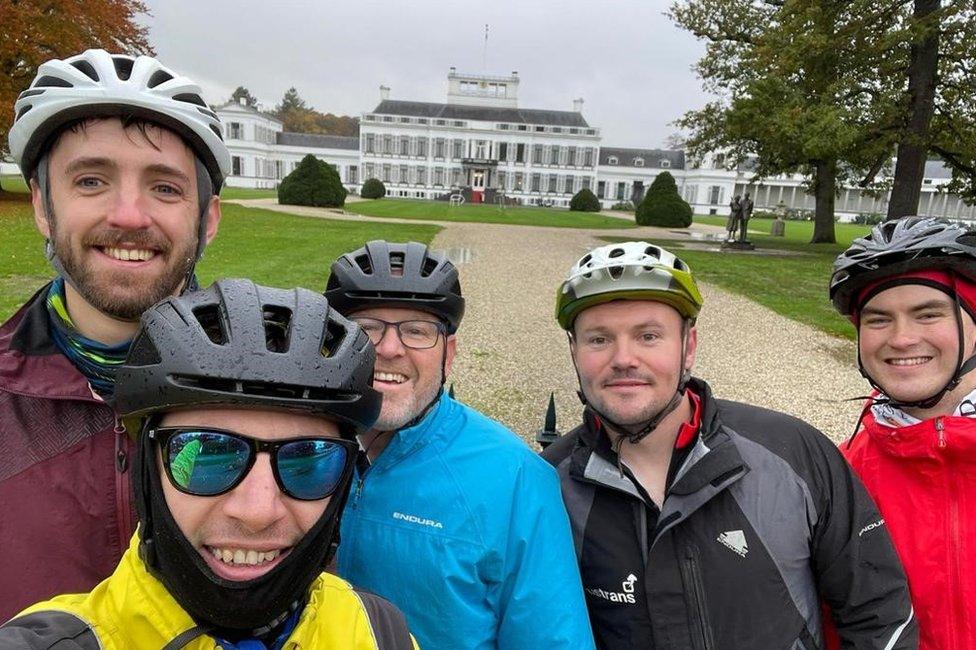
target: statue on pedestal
735 215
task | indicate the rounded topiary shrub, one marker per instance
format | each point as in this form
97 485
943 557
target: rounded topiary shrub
584 201
314 182
373 188
663 206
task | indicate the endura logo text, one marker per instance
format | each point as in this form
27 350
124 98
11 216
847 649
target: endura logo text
417 520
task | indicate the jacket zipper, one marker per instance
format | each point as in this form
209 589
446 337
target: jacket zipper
692 576
953 546
940 432
123 498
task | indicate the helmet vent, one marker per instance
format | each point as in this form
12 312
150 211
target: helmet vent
23 110
277 328
31 92
123 66
364 264
48 81
334 334
396 264
653 251
190 98
214 128
616 272
212 323
261 388
428 268
86 68
207 112
158 77
616 252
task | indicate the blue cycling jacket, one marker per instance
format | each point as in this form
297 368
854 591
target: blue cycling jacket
462 526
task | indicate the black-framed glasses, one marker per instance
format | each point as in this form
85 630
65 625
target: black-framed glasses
414 334
207 462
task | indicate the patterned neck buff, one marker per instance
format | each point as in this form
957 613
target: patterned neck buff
96 361
895 417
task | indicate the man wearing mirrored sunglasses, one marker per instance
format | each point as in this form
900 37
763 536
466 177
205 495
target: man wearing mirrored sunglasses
247 401
455 519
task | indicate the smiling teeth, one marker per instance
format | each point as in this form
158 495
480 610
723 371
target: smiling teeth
240 556
130 254
390 376
914 361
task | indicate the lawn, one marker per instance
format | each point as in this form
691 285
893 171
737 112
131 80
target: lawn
519 216
268 247
232 193
793 285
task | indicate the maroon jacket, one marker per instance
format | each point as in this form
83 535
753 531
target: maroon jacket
65 501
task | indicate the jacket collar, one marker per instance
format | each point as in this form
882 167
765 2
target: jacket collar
947 436
431 427
30 362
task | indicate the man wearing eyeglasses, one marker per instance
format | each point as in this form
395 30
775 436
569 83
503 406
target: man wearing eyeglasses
454 519
246 401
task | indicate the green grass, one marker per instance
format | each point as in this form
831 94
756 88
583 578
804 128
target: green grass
231 193
519 216
268 247
793 285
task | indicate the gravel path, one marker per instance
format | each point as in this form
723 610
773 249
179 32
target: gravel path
512 353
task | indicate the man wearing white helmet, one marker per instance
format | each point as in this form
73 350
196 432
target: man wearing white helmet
701 523
124 161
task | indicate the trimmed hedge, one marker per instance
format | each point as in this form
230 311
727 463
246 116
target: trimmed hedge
373 188
663 206
313 182
584 201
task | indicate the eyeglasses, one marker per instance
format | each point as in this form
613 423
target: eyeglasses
413 334
207 462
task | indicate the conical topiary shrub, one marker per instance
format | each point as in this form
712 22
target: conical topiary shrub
313 182
663 206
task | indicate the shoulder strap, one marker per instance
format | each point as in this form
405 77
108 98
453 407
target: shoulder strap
387 622
183 638
49 629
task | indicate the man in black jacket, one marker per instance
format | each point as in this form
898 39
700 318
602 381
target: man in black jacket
701 523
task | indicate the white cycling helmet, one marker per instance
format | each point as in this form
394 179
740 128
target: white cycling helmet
96 83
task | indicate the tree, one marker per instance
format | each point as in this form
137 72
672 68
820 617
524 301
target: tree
298 117
663 206
805 86
34 32
584 201
245 94
313 182
937 111
373 188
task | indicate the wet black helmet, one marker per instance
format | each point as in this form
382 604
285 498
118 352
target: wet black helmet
404 275
237 343
900 246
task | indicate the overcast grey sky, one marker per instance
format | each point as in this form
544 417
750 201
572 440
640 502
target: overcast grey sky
629 63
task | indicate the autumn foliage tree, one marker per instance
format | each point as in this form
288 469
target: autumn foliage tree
298 117
38 30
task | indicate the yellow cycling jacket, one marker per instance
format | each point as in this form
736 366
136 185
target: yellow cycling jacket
132 609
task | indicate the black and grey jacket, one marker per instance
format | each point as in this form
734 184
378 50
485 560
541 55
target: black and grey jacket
762 524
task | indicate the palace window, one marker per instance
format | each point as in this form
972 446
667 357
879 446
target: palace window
638 162
612 160
552 183
352 174
235 131
536 182
665 163
237 166
370 143
520 153
502 151
439 145
570 181
404 146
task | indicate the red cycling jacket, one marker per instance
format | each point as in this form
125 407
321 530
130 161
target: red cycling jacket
65 504
923 478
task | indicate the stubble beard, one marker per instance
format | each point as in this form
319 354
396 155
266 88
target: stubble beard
120 295
394 416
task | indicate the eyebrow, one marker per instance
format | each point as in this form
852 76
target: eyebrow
929 304
639 326
100 162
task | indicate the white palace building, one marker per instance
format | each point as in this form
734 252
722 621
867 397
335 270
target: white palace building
481 144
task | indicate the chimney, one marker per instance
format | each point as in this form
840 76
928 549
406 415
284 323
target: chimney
384 93
453 70
578 105
514 73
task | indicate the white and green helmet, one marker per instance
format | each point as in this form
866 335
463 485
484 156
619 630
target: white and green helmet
632 270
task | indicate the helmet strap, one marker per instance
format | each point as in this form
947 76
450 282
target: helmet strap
205 192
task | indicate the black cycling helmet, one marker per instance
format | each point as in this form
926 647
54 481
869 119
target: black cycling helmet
897 247
405 275
240 344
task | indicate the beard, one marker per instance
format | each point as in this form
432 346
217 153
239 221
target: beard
118 294
395 415
625 414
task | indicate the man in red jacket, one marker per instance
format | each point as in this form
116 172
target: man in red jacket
909 287
124 161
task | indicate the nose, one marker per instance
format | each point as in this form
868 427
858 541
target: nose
623 354
129 211
903 334
257 502
389 345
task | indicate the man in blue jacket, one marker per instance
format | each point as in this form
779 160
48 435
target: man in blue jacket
454 519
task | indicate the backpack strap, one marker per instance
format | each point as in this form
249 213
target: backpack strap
386 621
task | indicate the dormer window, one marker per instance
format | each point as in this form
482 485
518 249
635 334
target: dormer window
665 163
638 162
612 160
